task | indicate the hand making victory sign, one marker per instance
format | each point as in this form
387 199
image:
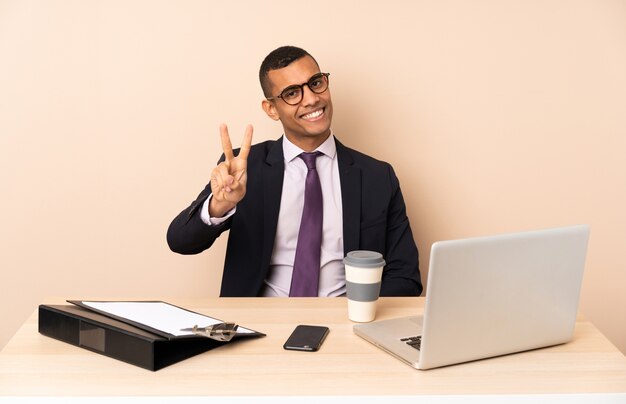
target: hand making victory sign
229 178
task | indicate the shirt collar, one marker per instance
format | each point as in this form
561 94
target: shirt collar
291 151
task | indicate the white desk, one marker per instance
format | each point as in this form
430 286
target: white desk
32 364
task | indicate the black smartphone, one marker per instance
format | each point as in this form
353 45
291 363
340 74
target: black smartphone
306 338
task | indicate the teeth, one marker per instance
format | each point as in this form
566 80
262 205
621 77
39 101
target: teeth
313 114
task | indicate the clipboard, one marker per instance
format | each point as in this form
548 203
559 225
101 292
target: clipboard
124 339
159 317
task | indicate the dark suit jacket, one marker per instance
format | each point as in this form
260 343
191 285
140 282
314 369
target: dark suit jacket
374 218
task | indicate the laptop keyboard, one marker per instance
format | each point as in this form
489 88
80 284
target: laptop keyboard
415 342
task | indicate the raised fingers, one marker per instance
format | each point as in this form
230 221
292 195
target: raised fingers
246 143
227 146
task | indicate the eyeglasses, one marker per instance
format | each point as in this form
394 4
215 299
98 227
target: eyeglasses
292 95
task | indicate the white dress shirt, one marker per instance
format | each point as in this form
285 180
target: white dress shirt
332 272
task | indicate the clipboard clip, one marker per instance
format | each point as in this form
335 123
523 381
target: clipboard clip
219 332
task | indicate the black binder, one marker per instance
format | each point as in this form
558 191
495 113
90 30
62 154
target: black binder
131 343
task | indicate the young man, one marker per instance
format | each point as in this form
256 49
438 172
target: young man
297 205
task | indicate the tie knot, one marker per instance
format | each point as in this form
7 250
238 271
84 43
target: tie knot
309 159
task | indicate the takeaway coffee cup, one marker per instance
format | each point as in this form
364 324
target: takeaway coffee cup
364 270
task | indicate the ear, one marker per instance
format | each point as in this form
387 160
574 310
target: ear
270 109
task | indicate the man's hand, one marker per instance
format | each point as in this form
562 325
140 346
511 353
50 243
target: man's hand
229 178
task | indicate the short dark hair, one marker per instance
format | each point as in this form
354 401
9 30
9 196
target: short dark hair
277 59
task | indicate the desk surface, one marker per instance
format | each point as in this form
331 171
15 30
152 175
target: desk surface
32 364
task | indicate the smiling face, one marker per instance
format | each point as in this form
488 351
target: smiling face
307 124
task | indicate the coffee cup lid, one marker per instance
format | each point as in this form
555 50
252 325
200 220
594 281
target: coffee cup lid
364 259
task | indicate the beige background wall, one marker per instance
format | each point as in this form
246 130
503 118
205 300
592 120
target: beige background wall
497 115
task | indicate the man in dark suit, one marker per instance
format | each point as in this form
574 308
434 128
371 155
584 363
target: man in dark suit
258 193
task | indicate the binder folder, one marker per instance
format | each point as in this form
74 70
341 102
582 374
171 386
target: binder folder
121 339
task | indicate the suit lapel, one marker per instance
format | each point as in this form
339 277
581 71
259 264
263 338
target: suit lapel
350 178
273 174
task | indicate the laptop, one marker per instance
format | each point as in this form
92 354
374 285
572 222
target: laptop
491 296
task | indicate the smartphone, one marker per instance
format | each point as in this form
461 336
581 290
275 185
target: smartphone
306 338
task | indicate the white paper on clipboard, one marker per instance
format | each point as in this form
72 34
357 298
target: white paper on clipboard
160 316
